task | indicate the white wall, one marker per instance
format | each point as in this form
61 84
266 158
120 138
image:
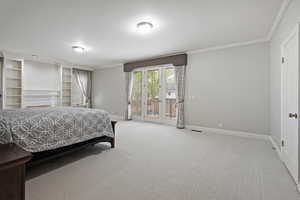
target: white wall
229 86
109 90
40 76
288 22
229 89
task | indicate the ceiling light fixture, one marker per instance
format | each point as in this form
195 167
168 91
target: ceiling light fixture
78 49
144 26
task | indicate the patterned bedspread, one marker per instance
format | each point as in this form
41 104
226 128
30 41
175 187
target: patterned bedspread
40 129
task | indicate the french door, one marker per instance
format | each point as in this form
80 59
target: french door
154 94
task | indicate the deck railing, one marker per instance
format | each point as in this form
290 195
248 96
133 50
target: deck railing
153 108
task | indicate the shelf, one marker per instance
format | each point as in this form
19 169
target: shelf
13 95
14 69
13 78
66 87
41 95
17 104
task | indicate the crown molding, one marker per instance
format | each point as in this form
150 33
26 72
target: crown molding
278 18
215 48
43 59
102 67
232 45
275 25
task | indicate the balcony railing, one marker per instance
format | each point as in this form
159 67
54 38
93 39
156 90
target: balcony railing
153 108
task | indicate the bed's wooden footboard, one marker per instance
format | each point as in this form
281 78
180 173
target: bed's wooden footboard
113 141
51 154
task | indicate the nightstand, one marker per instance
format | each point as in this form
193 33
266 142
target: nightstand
12 172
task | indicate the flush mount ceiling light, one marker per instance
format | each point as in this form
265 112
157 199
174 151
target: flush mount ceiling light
144 26
78 49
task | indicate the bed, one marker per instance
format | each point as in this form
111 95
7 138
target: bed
48 132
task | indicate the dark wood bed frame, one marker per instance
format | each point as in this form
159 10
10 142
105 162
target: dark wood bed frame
43 156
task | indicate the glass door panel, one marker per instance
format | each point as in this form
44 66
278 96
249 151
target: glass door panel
137 97
153 94
170 94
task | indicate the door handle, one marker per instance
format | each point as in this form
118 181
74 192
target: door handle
291 115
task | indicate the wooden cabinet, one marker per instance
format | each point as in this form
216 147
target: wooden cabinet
12 172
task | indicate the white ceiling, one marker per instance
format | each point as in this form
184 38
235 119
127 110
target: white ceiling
107 27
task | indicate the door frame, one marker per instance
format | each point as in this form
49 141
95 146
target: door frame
1 82
161 119
295 31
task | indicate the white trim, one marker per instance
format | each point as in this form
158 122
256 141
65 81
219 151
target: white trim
232 45
269 36
298 187
278 18
43 59
276 22
230 132
283 79
283 122
274 144
82 67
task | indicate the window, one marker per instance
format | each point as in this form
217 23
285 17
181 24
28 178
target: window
136 99
170 94
81 87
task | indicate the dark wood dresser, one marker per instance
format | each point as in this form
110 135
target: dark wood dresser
12 172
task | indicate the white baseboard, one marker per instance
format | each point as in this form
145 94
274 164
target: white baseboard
243 134
298 188
274 144
230 132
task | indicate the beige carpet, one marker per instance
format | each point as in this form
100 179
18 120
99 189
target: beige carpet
155 162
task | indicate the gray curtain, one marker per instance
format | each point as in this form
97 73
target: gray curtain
128 85
180 84
84 80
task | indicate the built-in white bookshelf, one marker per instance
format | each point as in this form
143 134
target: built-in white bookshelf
66 86
12 82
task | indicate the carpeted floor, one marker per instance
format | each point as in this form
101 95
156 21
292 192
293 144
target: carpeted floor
156 162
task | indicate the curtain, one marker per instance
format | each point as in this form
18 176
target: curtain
84 81
128 85
180 85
